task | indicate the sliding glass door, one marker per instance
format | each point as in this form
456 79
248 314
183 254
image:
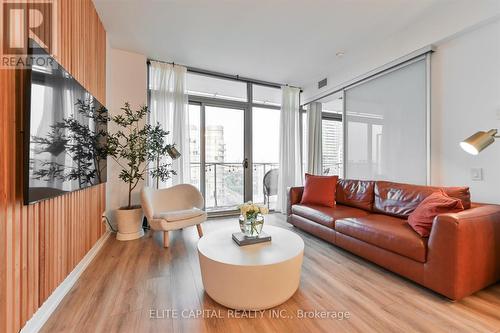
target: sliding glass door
217 154
234 140
265 155
224 157
222 148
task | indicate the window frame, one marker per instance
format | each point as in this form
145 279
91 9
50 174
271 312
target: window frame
332 117
248 129
422 54
247 107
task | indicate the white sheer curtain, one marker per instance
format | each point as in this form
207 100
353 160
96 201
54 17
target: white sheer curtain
169 107
314 139
290 169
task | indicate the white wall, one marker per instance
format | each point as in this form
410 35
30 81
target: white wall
126 81
465 99
465 81
439 23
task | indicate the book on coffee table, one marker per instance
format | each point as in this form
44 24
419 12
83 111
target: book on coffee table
243 240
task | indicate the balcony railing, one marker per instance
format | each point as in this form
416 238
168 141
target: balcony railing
332 168
224 183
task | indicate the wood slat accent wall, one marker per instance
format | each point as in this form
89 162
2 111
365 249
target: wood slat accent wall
41 243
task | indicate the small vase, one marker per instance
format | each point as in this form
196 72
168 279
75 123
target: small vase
251 227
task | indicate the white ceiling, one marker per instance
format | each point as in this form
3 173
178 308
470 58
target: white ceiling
292 41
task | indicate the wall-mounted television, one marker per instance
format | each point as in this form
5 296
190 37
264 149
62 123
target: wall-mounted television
65 132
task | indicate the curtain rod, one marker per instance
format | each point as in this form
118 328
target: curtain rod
226 76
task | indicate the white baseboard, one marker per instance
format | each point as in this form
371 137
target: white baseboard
48 307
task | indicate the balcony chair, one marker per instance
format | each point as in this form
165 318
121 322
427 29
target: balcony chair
270 184
173 208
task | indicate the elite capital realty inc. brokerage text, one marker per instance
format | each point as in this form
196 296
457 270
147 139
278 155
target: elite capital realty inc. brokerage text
248 314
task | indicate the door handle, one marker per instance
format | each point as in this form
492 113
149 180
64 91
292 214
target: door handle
245 163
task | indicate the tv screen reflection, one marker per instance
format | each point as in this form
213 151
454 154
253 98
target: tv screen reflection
67 135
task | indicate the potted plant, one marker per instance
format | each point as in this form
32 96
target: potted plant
135 147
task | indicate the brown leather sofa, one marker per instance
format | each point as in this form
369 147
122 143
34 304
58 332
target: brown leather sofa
460 257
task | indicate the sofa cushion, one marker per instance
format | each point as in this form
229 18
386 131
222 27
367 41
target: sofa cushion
400 200
387 232
355 193
326 215
422 218
319 190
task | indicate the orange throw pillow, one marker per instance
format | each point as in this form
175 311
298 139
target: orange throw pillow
319 190
437 203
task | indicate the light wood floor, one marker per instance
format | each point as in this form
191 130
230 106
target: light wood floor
129 279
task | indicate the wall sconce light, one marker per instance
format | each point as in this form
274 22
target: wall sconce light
475 143
173 152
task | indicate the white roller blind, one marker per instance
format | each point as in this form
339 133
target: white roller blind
386 126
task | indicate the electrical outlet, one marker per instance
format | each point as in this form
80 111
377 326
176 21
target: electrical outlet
476 174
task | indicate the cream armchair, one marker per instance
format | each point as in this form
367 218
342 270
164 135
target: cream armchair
173 208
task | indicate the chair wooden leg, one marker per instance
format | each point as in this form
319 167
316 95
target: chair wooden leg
165 239
200 231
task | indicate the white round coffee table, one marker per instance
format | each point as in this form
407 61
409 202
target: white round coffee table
251 277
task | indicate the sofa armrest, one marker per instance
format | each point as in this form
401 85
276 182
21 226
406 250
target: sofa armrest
464 251
294 195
